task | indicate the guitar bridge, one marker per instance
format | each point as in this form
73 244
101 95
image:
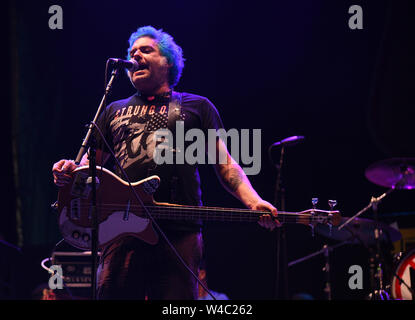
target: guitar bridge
80 188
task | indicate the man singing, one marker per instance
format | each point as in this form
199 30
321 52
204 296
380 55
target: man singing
130 268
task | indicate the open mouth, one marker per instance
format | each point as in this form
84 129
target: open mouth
142 67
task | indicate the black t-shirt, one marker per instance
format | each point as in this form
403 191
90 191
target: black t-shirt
129 125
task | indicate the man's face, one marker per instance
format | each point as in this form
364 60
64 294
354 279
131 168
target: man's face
154 69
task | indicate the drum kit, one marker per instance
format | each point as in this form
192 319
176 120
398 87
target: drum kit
394 174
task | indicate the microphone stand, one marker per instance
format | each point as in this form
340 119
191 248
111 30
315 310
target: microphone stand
92 181
279 196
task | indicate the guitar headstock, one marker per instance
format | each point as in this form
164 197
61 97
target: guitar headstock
314 216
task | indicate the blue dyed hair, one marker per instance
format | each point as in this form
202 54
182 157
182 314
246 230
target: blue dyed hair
168 48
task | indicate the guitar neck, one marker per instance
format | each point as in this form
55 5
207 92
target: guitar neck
221 214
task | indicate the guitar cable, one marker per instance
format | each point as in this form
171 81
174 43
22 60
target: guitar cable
150 215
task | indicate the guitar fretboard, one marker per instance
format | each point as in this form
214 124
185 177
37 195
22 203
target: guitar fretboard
222 214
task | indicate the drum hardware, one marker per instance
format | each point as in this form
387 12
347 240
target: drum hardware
321 251
361 230
379 291
376 271
325 250
396 174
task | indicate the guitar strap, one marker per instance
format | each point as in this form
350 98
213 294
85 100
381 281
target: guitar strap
175 107
174 114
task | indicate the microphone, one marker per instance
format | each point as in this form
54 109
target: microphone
290 141
131 65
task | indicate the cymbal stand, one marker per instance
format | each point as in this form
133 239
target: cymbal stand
378 292
373 201
326 252
406 174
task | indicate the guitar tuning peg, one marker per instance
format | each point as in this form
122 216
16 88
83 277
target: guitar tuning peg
332 204
314 202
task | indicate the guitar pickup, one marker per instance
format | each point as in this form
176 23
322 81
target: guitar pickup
75 209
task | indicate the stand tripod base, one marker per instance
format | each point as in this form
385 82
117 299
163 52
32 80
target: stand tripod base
379 295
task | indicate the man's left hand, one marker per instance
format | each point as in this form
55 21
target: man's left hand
266 220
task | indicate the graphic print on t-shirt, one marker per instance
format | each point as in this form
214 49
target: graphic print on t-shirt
133 131
129 128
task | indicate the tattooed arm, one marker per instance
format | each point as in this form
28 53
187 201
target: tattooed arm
234 179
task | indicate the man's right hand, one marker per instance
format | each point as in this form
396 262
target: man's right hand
61 172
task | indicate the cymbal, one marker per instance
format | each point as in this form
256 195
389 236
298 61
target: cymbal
359 230
396 173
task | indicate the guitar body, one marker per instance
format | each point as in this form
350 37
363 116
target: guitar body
121 215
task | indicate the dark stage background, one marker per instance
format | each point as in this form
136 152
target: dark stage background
286 67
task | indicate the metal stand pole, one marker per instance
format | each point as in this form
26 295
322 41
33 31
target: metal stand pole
376 272
89 142
326 252
279 199
326 269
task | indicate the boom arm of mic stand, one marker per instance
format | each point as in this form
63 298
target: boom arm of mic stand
84 145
